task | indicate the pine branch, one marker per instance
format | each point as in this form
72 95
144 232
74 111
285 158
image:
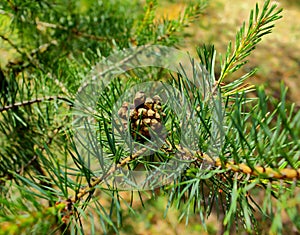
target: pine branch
113 169
12 44
28 56
262 172
198 158
163 30
259 145
74 31
231 166
260 24
33 101
116 66
22 223
55 132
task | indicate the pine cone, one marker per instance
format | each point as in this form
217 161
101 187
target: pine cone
144 113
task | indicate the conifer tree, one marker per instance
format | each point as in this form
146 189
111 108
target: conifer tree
200 138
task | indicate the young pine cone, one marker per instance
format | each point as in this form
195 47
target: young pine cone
144 113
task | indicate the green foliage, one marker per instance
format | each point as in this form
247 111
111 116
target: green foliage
260 24
46 184
165 31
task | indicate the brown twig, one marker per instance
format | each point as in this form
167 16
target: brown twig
264 172
113 169
33 101
29 56
75 31
12 44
